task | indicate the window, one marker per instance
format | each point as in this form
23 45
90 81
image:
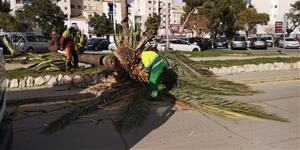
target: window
18 1
149 2
85 7
66 8
31 38
79 7
65 0
149 8
275 6
72 6
110 7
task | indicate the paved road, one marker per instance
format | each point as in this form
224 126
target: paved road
174 129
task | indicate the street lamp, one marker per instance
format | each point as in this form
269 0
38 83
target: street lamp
114 17
167 25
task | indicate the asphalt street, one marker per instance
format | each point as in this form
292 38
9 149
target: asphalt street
170 127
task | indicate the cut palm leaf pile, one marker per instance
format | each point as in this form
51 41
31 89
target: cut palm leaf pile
193 86
47 63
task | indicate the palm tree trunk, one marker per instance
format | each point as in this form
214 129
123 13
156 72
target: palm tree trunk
125 26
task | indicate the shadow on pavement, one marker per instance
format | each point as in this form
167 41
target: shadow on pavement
88 133
92 132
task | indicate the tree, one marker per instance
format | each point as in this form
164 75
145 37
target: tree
4 6
293 17
101 24
152 24
44 14
7 22
249 18
125 25
270 29
198 24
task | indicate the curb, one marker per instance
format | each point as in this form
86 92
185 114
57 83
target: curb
39 100
267 80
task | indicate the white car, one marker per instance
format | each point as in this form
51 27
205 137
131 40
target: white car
269 39
249 39
178 45
112 46
289 42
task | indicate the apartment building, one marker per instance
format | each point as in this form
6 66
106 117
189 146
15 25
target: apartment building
176 14
18 4
110 7
142 9
276 10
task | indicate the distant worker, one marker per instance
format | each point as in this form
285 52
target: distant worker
67 42
80 41
154 66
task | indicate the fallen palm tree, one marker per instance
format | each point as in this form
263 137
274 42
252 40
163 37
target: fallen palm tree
185 81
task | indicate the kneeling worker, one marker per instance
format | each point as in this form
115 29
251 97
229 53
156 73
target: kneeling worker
154 66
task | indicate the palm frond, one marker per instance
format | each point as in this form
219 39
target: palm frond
82 109
134 114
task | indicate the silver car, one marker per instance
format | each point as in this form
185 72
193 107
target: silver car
239 42
31 43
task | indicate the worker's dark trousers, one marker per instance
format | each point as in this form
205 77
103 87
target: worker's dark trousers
71 53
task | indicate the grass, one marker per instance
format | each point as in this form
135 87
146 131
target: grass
223 52
22 72
228 63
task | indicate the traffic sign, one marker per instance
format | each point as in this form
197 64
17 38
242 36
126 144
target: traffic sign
278 27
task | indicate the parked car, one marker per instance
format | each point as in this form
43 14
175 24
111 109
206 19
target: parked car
269 39
220 42
203 43
6 127
258 43
97 44
112 46
289 42
249 41
239 42
178 45
30 43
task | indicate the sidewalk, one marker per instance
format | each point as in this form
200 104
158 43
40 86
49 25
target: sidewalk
261 77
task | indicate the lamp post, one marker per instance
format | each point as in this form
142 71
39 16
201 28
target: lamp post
114 17
167 25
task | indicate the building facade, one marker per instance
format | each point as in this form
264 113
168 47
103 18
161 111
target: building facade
142 9
276 10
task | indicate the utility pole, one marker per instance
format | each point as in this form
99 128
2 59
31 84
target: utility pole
167 25
114 17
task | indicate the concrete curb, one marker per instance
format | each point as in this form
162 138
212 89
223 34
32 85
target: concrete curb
268 80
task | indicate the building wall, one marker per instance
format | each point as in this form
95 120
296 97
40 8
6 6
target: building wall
176 14
276 10
64 6
142 9
92 6
107 8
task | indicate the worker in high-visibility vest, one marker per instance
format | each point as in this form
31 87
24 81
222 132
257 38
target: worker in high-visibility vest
154 66
67 42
